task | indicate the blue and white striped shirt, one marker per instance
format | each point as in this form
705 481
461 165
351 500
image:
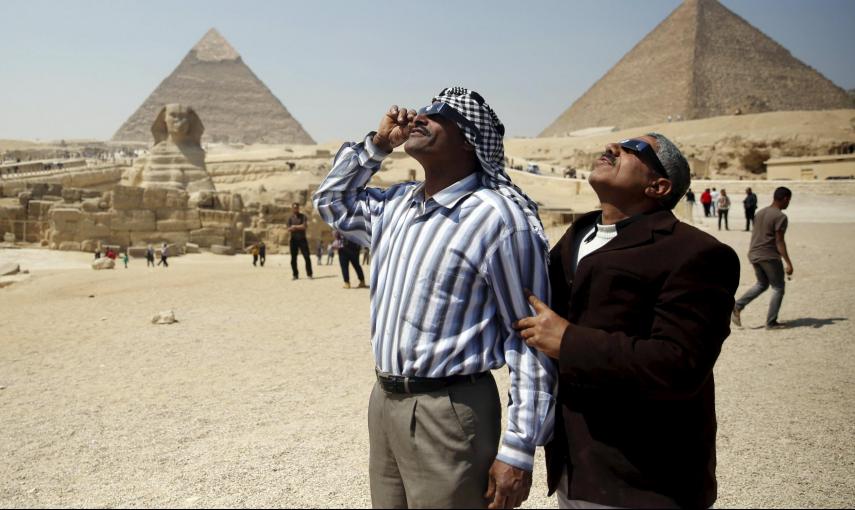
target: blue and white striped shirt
447 280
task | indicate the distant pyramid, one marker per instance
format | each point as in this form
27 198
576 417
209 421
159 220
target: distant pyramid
702 61
232 102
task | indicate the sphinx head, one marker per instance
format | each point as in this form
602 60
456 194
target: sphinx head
178 123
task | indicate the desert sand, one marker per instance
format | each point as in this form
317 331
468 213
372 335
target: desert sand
258 395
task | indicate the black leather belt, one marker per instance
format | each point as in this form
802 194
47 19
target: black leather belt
402 384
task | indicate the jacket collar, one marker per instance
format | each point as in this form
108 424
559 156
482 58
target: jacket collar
633 231
642 229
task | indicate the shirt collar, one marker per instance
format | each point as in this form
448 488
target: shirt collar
618 226
450 196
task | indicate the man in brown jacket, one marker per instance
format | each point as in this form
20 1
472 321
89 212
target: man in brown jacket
641 306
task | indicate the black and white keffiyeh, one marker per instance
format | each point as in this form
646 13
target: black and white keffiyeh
490 149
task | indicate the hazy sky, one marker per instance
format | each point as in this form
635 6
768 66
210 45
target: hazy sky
78 69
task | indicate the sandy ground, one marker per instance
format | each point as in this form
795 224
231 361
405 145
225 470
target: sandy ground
258 395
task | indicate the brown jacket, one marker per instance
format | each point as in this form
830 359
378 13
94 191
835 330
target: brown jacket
649 312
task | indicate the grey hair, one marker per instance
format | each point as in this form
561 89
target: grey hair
677 168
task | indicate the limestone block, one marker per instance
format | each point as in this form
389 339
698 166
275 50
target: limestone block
88 228
154 198
53 190
177 225
203 199
69 246
65 220
8 237
103 263
13 212
208 236
237 203
89 245
214 218
90 193
8 269
71 195
91 204
177 214
179 239
176 199
219 249
126 197
172 220
37 189
133 220
137 252
38 209
191 248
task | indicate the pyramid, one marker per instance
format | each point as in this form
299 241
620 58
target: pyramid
234 105
701 61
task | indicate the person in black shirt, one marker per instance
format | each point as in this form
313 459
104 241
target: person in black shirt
297 224
750 203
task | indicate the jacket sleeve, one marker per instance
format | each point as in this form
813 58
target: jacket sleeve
692 320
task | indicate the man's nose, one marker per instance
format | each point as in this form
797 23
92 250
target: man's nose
613 148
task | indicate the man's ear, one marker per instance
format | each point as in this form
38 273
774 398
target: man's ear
658 189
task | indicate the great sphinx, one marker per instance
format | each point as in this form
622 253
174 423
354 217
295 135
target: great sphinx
177 160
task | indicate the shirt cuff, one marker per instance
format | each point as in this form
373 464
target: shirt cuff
373 152
514 453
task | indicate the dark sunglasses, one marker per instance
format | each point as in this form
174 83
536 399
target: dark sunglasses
453 115
645 150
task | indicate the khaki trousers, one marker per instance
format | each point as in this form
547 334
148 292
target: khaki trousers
433 450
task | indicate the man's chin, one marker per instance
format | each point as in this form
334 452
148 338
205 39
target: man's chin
413 147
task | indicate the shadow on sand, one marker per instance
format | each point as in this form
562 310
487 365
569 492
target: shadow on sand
811 322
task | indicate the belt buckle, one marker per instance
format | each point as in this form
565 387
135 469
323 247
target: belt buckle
407 385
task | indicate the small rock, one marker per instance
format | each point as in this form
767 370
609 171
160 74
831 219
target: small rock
91 295
33 490
103 263
25 271
2 387
103 318
166 317
192 500
9 269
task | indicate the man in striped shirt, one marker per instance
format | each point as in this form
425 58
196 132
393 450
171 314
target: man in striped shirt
451 259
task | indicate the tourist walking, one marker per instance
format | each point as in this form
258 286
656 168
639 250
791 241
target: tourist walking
297 225
641 306
348 255
331 248
706 202
163 256
125 259
262 253
690 205
766 250
750 205
320 251
441 323
723 206
149 256
253 250
714 204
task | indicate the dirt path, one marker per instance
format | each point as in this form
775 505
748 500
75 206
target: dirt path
258 396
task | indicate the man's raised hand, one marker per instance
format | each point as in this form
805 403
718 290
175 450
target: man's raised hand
394 128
